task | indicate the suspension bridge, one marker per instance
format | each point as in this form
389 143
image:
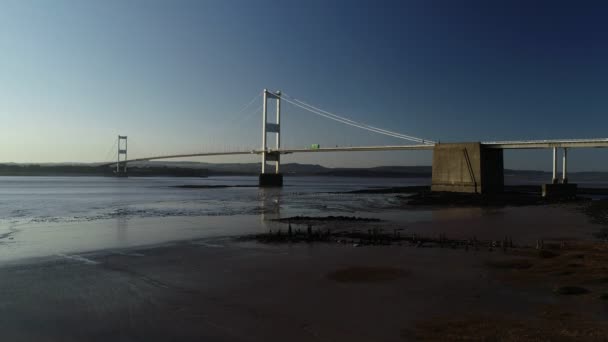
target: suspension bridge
461 167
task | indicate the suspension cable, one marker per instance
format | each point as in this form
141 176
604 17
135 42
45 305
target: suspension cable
111 154
236 115
331 116
358 123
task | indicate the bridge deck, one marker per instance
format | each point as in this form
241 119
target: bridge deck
539 144
523 144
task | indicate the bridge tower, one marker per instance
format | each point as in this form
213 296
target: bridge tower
276 178
121 164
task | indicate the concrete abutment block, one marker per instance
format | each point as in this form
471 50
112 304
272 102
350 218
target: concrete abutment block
467 167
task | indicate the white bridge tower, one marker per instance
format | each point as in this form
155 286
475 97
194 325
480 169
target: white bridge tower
276 178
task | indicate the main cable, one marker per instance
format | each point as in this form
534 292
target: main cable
409 137
350 122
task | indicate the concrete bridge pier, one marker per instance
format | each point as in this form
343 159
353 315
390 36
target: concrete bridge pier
557 190
554 180
565 167
475 168
271 179
467 167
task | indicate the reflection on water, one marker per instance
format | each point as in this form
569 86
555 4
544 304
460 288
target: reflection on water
50 215
57 215
122 225
450 214
270 206
84 199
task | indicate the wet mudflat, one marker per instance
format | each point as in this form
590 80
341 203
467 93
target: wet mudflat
371 268
227 291
576 274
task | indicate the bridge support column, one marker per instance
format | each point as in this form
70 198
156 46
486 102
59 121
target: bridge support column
565 167
554 179
467 167
555 190
271 179
121 164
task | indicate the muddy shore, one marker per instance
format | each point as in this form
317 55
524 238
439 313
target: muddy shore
568 276
221 290
522 273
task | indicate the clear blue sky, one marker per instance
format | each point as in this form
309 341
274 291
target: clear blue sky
173 75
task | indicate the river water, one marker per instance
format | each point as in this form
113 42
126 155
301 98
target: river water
42 216
58 216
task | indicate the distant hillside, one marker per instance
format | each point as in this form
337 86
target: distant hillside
381 171
195 169
92 170
302 169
